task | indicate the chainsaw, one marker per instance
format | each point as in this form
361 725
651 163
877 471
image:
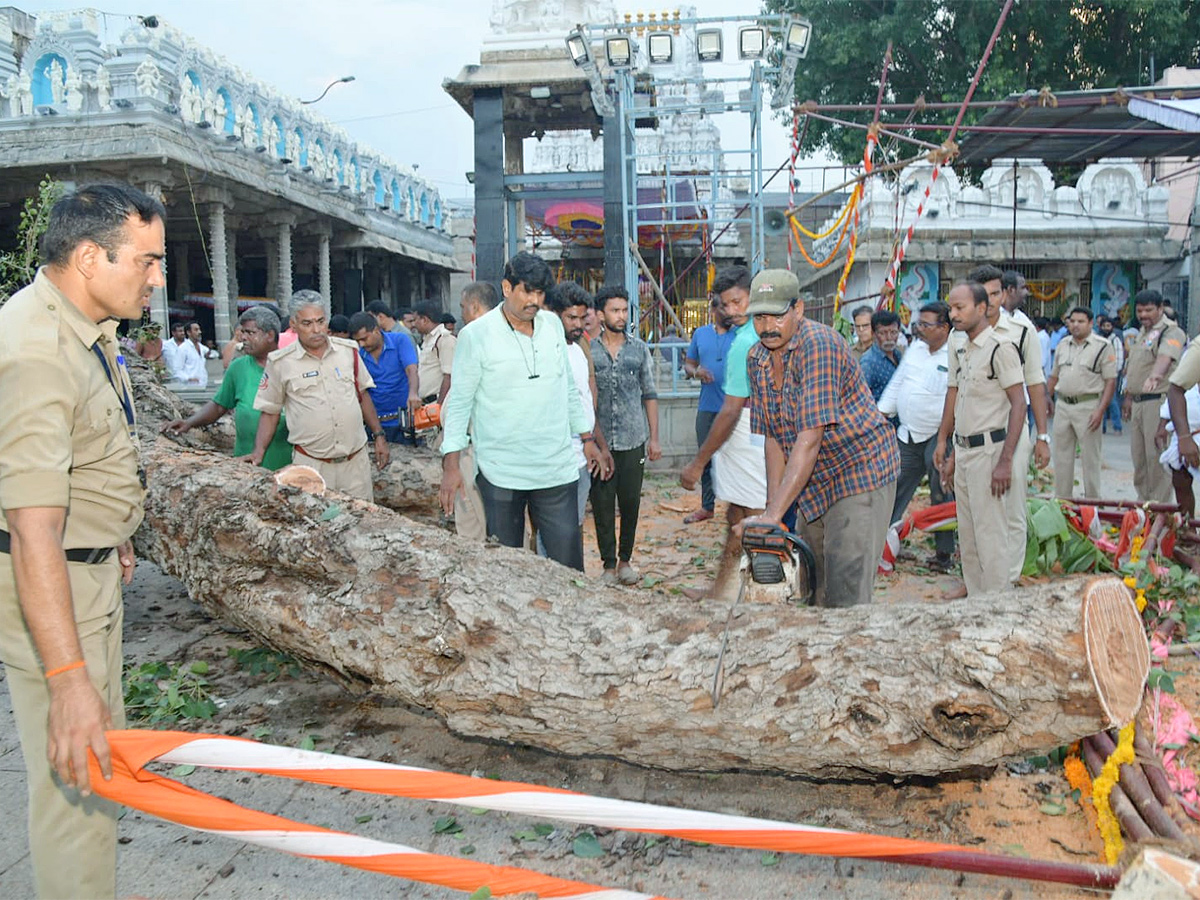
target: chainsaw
777 567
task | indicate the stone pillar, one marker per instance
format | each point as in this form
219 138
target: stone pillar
218 253
159 307
272 256
323 281
283 246
489 183
231 266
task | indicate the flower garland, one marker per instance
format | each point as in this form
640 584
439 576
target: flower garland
1110 828
1079 779
1139 596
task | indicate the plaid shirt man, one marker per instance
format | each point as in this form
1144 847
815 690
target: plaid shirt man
823 387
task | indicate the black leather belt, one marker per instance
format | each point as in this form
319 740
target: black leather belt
1140 398
81 555
1078 398
969 441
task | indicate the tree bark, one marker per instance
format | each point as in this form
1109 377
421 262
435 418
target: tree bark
503 645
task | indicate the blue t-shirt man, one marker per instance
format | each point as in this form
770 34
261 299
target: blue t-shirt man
710 350
390 394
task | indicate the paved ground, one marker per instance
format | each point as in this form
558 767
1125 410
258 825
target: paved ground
162 860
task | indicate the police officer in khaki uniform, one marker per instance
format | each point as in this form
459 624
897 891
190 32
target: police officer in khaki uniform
1017 328
323 385
1185 377
1082 381
983 418
1152 356
71 498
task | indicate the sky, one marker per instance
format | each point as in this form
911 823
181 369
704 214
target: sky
399 51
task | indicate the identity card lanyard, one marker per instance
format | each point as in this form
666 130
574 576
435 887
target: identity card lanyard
122 392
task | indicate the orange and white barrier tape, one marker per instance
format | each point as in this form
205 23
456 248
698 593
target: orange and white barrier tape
133 786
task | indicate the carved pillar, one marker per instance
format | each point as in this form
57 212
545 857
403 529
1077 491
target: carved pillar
272 254
323 281
218 251
283 246
159 308
231 265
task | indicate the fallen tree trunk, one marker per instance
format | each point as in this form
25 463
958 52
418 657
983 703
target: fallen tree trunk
504 645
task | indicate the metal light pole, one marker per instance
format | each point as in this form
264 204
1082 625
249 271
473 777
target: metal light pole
345 79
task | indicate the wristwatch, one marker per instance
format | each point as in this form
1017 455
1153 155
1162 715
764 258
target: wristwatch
376 435
1044 437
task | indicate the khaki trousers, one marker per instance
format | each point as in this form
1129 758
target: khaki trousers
986 538
469 519
72 841
351 477
1150 479
1071 428
1015 503
847 542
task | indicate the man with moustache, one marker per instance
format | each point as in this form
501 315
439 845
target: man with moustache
259 328
879 362
739 463
861 317
189 358
1153 354
322 384
982 422
627 410
392 360
71 494
512 383
828 448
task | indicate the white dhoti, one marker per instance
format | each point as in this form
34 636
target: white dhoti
740 467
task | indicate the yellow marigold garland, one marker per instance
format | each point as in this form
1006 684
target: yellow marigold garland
1102 787
1079 779
1139 594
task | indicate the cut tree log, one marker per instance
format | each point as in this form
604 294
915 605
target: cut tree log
506 646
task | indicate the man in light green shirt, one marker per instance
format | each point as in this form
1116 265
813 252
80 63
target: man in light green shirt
512 382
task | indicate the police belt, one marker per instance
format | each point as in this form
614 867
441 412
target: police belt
1078 398
969 441
1141 398
81 555
333 459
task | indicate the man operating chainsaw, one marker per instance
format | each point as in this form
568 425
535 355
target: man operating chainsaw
828 447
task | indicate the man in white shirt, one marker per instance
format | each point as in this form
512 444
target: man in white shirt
916 394
189 357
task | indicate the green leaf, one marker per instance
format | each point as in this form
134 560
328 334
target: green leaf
768 859
527 834
586 846
579 582
543 829
308 743
446 825
467 849
479 811
363 819
331 512
482 893
199 667
1053 809
183 771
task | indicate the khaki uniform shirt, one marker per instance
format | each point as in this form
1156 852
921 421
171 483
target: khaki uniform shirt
436 359
64 438
1187 373
1029 347
1165 338
1083 368
323 413
982 369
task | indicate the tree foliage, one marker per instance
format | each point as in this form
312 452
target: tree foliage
19 265
937 44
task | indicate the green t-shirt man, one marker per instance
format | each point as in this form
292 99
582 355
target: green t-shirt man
237 392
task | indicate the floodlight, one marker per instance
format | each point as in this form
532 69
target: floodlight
795 38
577 47
708 45
752 42
660 47
540 92
619 50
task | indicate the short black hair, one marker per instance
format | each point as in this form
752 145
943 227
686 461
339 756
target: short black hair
530 270
567 294
609 291
726 278
340 324
448 319
883 318
430 310
96 213
985 273
482 292
360 321
178 324
378 307
860 311
1081 309
1010 278
939 309
402 311
978 292
1148 297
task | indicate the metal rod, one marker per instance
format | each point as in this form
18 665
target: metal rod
863 127
1098 99
1080 874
